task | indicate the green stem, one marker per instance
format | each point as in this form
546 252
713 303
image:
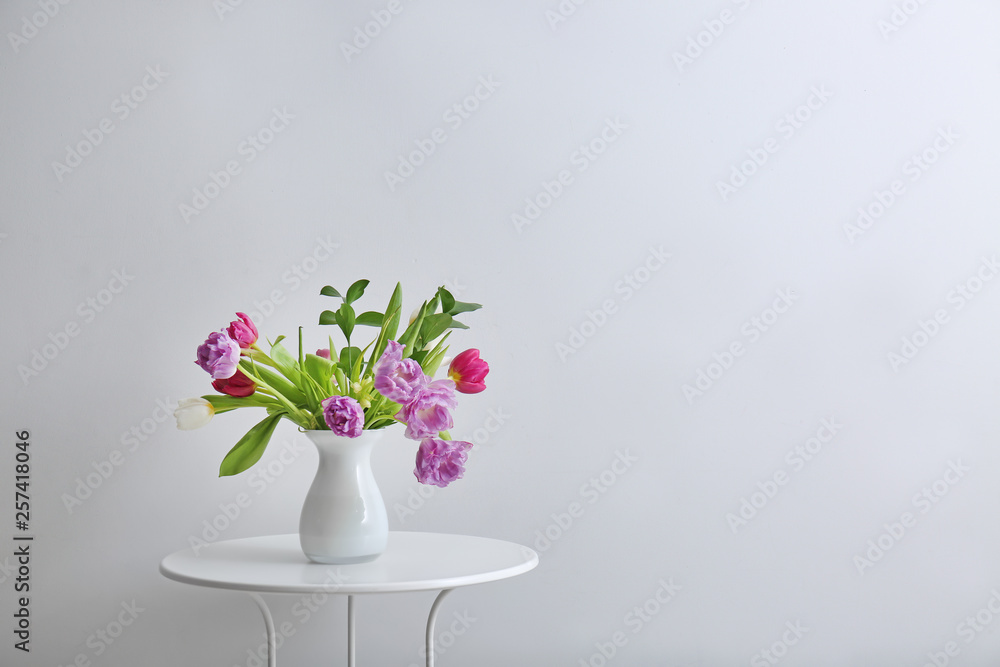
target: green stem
258 355
301 358
292 408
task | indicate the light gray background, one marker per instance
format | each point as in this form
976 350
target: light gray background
888 95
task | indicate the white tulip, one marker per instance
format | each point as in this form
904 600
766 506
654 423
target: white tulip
192 413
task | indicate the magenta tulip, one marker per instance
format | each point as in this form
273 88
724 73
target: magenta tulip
469 372
243 331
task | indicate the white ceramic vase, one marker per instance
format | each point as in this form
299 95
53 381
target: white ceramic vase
343 518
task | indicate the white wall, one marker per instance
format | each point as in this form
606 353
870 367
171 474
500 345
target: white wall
880 98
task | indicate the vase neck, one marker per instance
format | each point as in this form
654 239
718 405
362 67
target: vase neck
328 441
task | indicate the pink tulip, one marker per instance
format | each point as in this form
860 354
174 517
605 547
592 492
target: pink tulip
243 331
469 372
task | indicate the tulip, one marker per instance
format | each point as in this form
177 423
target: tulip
325 353
192 413
441 462
469 372
243 331
428 412
344 416
398 379
219 355
238 385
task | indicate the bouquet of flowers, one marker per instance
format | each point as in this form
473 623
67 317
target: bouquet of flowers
390 380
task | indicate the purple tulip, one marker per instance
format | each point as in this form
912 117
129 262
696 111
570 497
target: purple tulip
398 379
428 412
441 462
219 355
344 416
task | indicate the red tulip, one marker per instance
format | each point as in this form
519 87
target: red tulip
238 385
469 372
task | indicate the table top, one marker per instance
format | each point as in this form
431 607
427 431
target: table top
412 561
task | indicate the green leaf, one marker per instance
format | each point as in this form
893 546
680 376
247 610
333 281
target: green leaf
333 348
409 337
390 324
392 314
462 307
328 317
226 403
315 394
355 291
369 319
280 383
432 360
345 318
250 447
320 370
432 305
434 326
447 300
329 291
349 357
285 360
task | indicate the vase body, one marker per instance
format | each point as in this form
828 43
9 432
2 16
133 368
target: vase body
343 518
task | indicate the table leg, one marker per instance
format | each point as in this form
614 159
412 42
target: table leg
350 631
430 625
272 649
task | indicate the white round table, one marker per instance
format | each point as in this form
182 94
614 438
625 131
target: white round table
411 562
